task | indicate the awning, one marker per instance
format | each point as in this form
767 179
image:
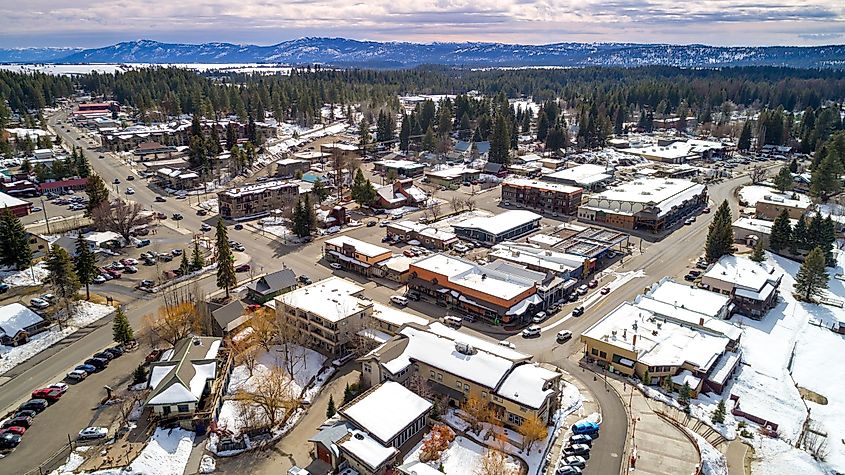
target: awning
349 259
521 307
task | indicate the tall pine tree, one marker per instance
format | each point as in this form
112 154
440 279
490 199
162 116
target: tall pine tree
720 235
781 236
226 277
97 192
63 279
14 243
122 332
500 141
85 264
811 280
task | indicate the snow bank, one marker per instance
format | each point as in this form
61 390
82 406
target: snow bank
74 460
207 464
776 457
167 453
35 275
712 461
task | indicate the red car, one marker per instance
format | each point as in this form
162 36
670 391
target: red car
50 394
14 430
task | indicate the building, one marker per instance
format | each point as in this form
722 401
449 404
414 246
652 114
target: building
536 258
548 198
402 168
456 365
16 206
398 194
229 319
18 324
290 167
177 179
673 334
38 245
312 156
588 176
271 285
752 286
407 410
457 283
355 255
551 287
652 204
490 230
341 149
327 314
183 375
751 230
75 184
154 151
428 236
452 177
19 188
770 206
252 201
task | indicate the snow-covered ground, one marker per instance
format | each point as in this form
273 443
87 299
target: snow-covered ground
84 313
463 457
167 453
712 461
35 275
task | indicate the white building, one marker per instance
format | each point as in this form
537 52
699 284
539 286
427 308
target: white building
178 380
588 176
490 230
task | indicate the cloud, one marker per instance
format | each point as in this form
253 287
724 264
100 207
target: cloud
99 22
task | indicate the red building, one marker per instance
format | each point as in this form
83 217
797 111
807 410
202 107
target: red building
17 206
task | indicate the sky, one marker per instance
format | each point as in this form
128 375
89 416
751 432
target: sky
92 23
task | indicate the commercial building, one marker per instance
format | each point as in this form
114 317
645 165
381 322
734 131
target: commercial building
178 133
257 200
751 230
474 289
549 198
344 150
16 206
588 176
452 177
355 255
671 335
182 376
457 366
490 230
402 168
290 167
752 286
770 206
650 204
177 179
536 258
154 151
18 324
427 235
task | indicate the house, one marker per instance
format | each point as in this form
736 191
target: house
427 235
18 323
402 168
38 245
457 366
452 177
550 198
752 286
344 150
183 376
271 285
408 413
355 255
177 179
398 194
229 319
495 169
16 206
490 230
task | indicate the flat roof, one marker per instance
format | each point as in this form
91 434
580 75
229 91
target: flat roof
401 406
470 275
257 188
399 164
665 193
363 247
741 272
584 174
453 172
7 201
685 296
500 223
394 316
333 299
541 185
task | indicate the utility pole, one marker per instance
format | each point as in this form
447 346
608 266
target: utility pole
46 219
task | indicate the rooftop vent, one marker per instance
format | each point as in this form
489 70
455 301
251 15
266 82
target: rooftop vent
197 342
464 348
359 436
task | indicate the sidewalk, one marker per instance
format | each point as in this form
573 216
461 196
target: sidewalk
736 455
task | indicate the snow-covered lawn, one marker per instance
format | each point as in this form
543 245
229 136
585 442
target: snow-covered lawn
35 275
84 313
463 457
167 453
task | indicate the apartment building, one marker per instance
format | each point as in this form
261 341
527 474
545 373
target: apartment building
548 198
258 199
457 366
770 206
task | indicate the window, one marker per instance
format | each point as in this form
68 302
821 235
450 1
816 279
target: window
594 352
484 394
466 387
458 385
602 354
440 376
515 419
523 409
183 408
432 375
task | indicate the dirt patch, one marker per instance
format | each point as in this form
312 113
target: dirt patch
812 396
749 456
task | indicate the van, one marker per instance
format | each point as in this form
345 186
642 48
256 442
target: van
452 321
399 300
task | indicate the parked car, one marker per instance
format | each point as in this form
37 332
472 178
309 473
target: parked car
304 279
593 284
14 430
582 290
26 413
409 253
130 269
98 363
130 177
202 212
160 199
87 368
77 375
605 290
146 283
578 311
539 317
688 221
142 243
9 440
577 449
575 461
706 210
115 350
689 278
335 266
399 300
239 227
568 470
48 394
4 287
104 355
532 331
507 344
90 433
36 405
39 303
581 439
695 273
564 336
371 224
585 427
242 268
460 248
453 321
129 191
176 252
573 297
19 421
205 227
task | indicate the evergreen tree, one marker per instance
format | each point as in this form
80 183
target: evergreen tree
758 255
226 277
811 280
500 142
405 133
348 395
97 192
139 375
800 235
184 265
684 394
197 257
719 413
62 278
121 329
793 165
300 220
428 142
364 135
331 410
542 125
783 180
319 191
14 243
781 235
744 142
465 128
720 234
26 166
825 178
85 264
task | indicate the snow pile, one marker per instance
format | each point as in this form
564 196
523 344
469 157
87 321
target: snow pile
570 397
167 453
462 457
84 314
712 461
207 464
74 461
210 206
35 275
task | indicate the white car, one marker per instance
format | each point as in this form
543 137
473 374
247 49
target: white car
62 387
582 290
335 266
507 344
539 317
531 331
93 433
460 248
77 375
399 300
39 303
130 191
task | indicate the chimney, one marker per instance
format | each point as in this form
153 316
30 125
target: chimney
634 343
701 321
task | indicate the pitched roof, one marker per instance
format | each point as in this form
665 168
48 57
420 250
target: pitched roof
182 377
273 282
228 313
391 398
15 317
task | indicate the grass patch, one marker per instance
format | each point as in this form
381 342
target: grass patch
812 396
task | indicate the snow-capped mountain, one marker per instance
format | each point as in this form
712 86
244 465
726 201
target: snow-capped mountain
346 52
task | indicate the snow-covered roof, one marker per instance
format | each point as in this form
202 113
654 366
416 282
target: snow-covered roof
426 230
100 237
792 200
701 301
361 247
686 376
453 172
532 255
181 377
389 398
542 185
397 164
471 275
395 316
585 174
526 384
367 450
742 272
15 318
500 223
759 226
333 299
7 201
726 364
257 188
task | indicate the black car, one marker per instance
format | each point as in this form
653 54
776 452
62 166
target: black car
160 199
578 311
9 440
581 439
36 405
130 178
238 227
177 216
573 297
116 181
19 421
689 278
202 212
304 279
105 355
98 363
371 224
26 413
116 351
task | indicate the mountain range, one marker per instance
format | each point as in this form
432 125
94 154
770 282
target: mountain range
344 52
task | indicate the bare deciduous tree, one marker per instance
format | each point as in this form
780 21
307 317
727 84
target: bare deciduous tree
494 462
265 327
469 204
172 323
272 393
456 203
418 385
815 442
118 216
244 351
758 174
433 208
